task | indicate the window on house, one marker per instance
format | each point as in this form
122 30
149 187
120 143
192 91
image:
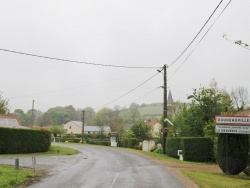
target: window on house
69 127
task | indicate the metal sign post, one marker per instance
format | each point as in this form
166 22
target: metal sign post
34 162
16 166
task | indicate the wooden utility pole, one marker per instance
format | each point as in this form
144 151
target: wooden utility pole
82 126
165 109
33 115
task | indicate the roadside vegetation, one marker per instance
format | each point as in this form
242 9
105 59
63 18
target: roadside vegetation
205 175
10 177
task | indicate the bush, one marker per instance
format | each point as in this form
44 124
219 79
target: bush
138 147
158 150
105 142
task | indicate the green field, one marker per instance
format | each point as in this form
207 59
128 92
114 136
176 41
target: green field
151 110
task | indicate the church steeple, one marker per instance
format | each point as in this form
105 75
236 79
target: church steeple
170 98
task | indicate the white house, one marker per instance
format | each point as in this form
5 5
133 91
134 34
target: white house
75 127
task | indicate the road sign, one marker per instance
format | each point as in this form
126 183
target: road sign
232 129
232 120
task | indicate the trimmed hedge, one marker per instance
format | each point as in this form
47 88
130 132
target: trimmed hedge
24 141
198 149
172 147
105 142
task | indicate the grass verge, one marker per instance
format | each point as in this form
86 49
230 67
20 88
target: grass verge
209 179
10 177
59 150
205 175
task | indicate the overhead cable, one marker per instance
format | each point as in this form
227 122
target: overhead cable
129 91
196 34
200 40
74 61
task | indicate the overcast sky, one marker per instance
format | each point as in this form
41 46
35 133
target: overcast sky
141 33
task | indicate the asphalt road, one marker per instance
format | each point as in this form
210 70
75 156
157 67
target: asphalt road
99 167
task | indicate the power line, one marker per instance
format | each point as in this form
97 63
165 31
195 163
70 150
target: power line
74 61
200 40
47 93
147 94
196 34
130 90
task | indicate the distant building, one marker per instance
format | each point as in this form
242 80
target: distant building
10 121
75 127
171 105
156 127
243 113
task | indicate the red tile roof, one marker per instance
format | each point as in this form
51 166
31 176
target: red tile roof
243 113
10 121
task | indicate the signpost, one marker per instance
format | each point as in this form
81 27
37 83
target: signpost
228 124
232 120
232 124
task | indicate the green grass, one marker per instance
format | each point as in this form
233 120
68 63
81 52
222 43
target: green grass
59 150
10 177
203 178
209 179
151 110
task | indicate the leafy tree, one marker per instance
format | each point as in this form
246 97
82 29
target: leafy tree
44 120
4 109
58 116
21 115
89 116
132 114
142 131
73 113
103 118
56 130
127 139
189 121
205 104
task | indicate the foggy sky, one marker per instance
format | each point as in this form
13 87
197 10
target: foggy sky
142 33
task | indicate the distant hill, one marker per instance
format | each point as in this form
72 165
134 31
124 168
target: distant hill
155 109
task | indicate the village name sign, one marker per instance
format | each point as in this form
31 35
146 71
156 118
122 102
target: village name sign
232 124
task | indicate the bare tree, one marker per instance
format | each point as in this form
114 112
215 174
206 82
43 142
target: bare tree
240 97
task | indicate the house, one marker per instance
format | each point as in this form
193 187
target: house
10 121
243 113
75 127
156 127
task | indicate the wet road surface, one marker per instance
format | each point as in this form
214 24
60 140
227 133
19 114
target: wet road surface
99 167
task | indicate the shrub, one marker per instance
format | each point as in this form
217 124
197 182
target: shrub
158 150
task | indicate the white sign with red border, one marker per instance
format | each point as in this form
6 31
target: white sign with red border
232 120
